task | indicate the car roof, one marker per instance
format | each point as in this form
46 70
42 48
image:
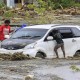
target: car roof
43 26
48 26
67 26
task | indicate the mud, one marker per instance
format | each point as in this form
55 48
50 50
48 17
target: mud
40 69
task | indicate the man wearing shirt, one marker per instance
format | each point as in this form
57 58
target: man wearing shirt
4 30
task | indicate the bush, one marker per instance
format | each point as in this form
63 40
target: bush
27 14
55 4
77 5
8 14
30 6
50 4
40 11
41 4
2 5
67 3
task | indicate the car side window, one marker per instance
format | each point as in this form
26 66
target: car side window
66 32
75 31
49 34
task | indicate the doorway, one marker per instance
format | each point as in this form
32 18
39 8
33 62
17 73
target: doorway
17 1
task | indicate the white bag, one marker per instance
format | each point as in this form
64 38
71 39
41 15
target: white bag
7 36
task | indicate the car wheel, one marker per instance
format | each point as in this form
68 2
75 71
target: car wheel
40 55
77 54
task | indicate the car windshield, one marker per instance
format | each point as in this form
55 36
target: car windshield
30 33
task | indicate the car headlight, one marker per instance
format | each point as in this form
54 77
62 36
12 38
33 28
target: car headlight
30 46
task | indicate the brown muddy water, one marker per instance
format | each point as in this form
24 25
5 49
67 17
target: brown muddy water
40 69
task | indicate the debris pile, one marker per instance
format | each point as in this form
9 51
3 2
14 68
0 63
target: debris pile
14 57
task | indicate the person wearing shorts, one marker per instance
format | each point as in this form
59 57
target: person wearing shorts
60 44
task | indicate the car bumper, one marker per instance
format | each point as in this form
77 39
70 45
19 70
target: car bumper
30 52
5 51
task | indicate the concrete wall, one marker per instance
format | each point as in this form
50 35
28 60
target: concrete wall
10 3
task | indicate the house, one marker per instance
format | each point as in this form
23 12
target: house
13 3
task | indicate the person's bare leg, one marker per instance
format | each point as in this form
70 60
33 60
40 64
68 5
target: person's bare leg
62 47
55 49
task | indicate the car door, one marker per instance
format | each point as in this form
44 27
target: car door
49 44
70 43
76 33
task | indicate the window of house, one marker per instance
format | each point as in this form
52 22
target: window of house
17 1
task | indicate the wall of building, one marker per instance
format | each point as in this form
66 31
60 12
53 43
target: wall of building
10 3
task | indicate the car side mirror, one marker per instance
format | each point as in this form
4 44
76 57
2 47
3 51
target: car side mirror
49 38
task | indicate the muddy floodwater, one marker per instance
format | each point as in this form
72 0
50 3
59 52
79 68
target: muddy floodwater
40 69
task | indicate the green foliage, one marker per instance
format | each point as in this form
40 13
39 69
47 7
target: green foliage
54 4
64 3
43 19
42 4
74 68
2 5
30 6
40 11
67 3
27 14
50 4
77 5
8 14
41 8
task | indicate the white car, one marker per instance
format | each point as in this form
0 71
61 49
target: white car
37 40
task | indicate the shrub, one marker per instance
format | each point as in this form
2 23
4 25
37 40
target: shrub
55 4
40 11
41 4
74 68
31 6
67 3
2 5
8 14
77 5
